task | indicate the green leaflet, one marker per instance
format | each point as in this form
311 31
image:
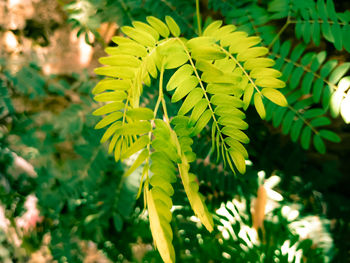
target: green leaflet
233 121
132 48
108 108
306 137
136 128
258 63
237 146
160 228
200 41
109 119
160 181
174 28
111 84
198 110
110 131
247 97
184 87
121 61
202 122
269 82
236 134
144 38
158 25
275 96
140 114
183 72
223 99
146 28
111 96
212 27
138 145
194 196
207 52
140 159
116 72
191 100
259 106
204 66
252 53
329 135
265 72
238 159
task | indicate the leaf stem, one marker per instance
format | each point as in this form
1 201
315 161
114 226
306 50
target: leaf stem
198 14
279 33
301 117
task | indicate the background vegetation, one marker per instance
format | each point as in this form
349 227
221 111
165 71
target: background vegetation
63 198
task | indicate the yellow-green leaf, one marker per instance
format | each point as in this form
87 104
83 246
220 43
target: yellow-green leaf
233 121
202 122
144 27
229 39
111 96
108 108
138 145
120 60
223 99
159 233
175 60
109 119
191 100
275 96
140 36
160 194
200 42
236 145
158 25
258 63
140 114
196 201
206 66
252 53
110 131
207 52
212 28
184 72
238 159
247 97
265 72
139 160
269 82
111 84
174 28
259 105
116 72
186 86
235 134
136 128
161 182
133 48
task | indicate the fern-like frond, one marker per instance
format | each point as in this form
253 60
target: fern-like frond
302 120
313 20
308 71
249 17
213 78
158 198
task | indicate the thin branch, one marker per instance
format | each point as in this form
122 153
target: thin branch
198 18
